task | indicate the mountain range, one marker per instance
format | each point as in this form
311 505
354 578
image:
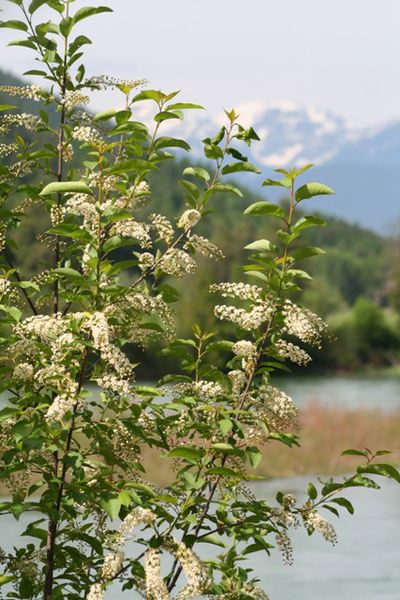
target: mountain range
362 165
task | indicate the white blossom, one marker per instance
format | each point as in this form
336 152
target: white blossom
242 291
189 218
197 577
156 588
315 521
162 227
292 352
97 592
112 565
303 324
246 319
203 246
177 263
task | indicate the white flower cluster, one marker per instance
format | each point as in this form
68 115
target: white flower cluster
146 261
133 229
87 134
7 149
254 592
248 320
74 98
162 227
177 263
100 330
83 205
303 324
280 408
26 120
43 327
156 588
32 92
5 287
23 372
112 565
67 151
138 516
207 390
97 592
244 348
285 547
198 581
242 291
314 521
56 215
203 246
238 379
292 352
113 561
104 82
189 219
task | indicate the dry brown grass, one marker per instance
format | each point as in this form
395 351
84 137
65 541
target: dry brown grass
325 433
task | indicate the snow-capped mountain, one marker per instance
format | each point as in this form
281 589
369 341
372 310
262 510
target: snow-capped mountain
362 165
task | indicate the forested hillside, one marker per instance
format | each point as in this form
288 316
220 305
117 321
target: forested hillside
355 285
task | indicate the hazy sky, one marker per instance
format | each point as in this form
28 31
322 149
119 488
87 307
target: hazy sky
340 55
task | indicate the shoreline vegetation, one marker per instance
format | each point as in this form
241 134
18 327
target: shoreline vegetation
325 432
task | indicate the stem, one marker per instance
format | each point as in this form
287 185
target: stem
53 521
18 278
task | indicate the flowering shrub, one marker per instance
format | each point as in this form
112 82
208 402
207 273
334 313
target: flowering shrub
75 421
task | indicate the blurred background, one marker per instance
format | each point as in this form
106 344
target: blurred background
318 82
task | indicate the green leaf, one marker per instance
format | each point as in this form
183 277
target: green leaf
312 491
309 190
197 172
70 230
66 187
224 472
307 252
166 115
111 507
105 115
155 95
240 166
346 503
254 455
211 539
352 452
6 579
4 107
225 425
187 452
228 188
286 183
169 142
183 105
261 246
382 469
305 222
20 25
70 273
264 208
89 11
127 166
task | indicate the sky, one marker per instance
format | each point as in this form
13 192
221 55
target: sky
337 55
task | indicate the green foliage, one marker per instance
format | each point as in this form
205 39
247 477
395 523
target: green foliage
76 421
